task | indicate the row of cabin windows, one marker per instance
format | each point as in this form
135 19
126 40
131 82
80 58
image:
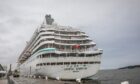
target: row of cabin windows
62 41
47 30
72 33
62 32
71 37
67 63
59 36
51 39
66 55
65 48
73 41
68 37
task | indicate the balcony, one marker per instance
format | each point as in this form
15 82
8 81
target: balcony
70 38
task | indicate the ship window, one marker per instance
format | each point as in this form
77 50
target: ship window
41 64
44 63
37 64
66 63
48 63
85 62
73 54
91 62
88 55
68 54
60 63
96 54
81 55
62 55
43 56
73 62
53 63
53 54
97 62
80 62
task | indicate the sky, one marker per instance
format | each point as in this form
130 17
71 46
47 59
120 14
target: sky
114 25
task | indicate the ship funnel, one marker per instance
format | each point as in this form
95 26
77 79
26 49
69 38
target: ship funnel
49 19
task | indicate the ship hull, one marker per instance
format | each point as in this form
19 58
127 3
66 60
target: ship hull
60 52
63 71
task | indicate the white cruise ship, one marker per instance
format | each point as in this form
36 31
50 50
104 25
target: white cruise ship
59 52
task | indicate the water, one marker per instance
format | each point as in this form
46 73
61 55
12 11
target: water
116 76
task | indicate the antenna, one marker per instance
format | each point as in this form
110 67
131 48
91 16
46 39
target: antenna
49 19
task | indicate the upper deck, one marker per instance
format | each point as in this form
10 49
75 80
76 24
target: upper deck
63 38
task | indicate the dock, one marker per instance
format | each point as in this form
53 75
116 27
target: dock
24 80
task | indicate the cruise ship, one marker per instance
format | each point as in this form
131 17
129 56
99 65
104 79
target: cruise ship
59 52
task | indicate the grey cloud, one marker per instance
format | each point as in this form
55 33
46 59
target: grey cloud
113 25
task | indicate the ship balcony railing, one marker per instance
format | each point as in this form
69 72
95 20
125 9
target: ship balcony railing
59 34
73 42
39 40
60 44
79 51
64 29
22 59
25 56
63 43
45 39
70 38
42 43
45 33
47 29
60 30
82 44
40 35
42 38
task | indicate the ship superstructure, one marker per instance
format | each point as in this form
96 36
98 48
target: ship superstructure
60 52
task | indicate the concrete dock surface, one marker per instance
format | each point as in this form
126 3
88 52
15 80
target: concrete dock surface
3 81
23 80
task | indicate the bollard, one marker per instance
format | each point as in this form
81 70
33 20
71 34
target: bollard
125 82
57 78
46 78
34 76
78 80
30 76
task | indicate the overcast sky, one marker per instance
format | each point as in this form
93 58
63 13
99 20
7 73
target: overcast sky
113 24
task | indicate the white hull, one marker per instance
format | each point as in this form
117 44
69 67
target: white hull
62 73
71 71
59 72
